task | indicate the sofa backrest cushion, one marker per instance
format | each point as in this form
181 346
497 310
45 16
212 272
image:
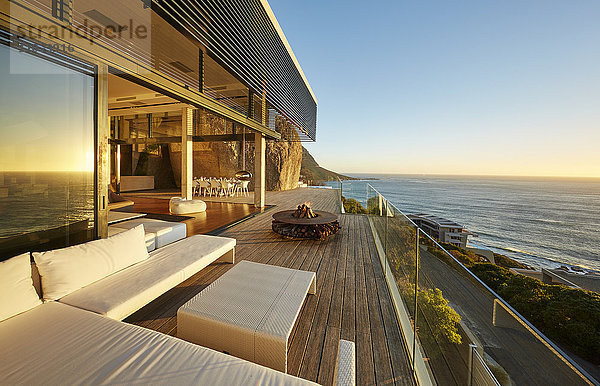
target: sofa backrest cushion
69 269
17 293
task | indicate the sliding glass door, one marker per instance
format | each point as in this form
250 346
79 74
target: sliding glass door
47 151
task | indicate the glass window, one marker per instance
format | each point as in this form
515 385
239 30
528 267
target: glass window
167 124
47 188
136 126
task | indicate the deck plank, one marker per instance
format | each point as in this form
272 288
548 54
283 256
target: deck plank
381 354
352 301
325 275
348 326
365 366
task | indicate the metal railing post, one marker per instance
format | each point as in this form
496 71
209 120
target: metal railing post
472 349
385 240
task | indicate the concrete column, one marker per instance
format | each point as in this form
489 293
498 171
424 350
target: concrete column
187 171
260 145
102 150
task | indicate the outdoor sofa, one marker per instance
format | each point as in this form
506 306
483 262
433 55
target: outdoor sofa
59 317
48 341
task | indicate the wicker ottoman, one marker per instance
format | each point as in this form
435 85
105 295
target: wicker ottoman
249 312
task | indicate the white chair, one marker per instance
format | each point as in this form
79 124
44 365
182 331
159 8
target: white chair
215 187
227 188
242 187
204 186
195 188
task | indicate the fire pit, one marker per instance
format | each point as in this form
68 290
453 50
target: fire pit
305 223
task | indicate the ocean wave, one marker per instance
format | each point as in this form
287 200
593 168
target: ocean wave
515 250
547 220
540 261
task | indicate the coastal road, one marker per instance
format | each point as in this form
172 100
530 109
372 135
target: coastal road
526 359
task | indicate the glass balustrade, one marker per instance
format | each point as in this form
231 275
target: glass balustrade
457 330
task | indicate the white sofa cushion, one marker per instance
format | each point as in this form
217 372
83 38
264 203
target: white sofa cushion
68 269
56 344
150 237
166 232
17 293
119 295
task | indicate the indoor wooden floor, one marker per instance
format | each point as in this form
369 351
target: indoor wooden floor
217 214
352 300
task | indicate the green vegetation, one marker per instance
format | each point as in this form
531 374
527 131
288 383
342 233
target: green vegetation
566 315
373 205
438 322
441 318
507 262
352 206
569 316
465 256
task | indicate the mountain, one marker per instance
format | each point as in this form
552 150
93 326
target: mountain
310 170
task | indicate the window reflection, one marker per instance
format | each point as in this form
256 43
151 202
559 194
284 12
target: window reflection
47 161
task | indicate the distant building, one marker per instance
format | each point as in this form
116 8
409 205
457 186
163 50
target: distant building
444 230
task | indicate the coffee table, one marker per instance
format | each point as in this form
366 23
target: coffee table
249 312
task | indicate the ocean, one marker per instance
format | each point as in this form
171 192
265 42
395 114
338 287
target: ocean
542 222
36 201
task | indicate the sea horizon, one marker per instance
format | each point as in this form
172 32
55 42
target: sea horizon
499 176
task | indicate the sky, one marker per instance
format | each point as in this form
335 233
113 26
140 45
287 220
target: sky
451 87
46 115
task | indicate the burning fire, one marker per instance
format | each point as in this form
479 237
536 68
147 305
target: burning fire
304 211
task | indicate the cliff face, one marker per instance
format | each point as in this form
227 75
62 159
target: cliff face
223 159
311 171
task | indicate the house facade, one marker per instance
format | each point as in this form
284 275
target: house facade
124 93
444 230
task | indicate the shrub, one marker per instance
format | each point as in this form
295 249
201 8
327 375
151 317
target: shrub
441 318
352 206
566 315
507 262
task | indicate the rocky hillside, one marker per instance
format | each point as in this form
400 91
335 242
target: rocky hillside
286 162
311 170
223 159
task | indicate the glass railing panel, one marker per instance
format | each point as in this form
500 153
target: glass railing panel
441 334
376 208
356 190
457 330
507 343
401 266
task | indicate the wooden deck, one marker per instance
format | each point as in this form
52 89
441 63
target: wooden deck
217 214
352 300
